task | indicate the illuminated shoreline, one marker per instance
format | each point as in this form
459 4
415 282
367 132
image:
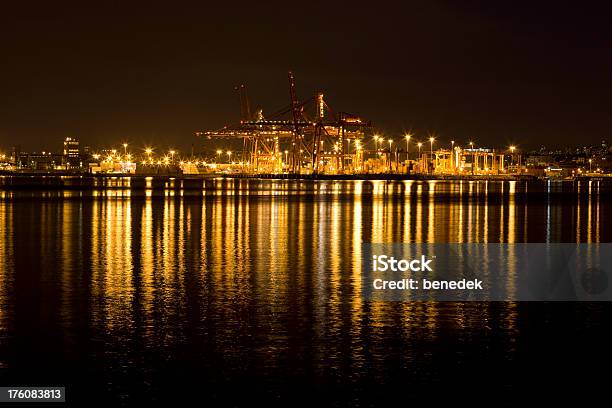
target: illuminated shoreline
288 176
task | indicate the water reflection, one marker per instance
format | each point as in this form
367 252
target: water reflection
258 277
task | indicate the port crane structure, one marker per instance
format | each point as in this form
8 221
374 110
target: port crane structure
308 135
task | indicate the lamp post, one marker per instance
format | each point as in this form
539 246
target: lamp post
420 157
390 162
125 149
473 157
590 165
219 152
452 154
431 140
408 136
229 156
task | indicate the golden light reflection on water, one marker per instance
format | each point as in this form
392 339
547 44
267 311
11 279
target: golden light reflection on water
6 267
112 281
237 265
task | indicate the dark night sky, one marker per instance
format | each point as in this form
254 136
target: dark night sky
494 71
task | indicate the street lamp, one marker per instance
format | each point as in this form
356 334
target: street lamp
408 136
229 156
590 165
390 161
512 149
453 153
473 156
286 154
125 149
219 152
431 140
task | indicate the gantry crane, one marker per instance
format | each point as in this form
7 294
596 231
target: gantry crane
317 138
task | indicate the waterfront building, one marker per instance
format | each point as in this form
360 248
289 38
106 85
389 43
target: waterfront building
46 161
468 161
71 153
